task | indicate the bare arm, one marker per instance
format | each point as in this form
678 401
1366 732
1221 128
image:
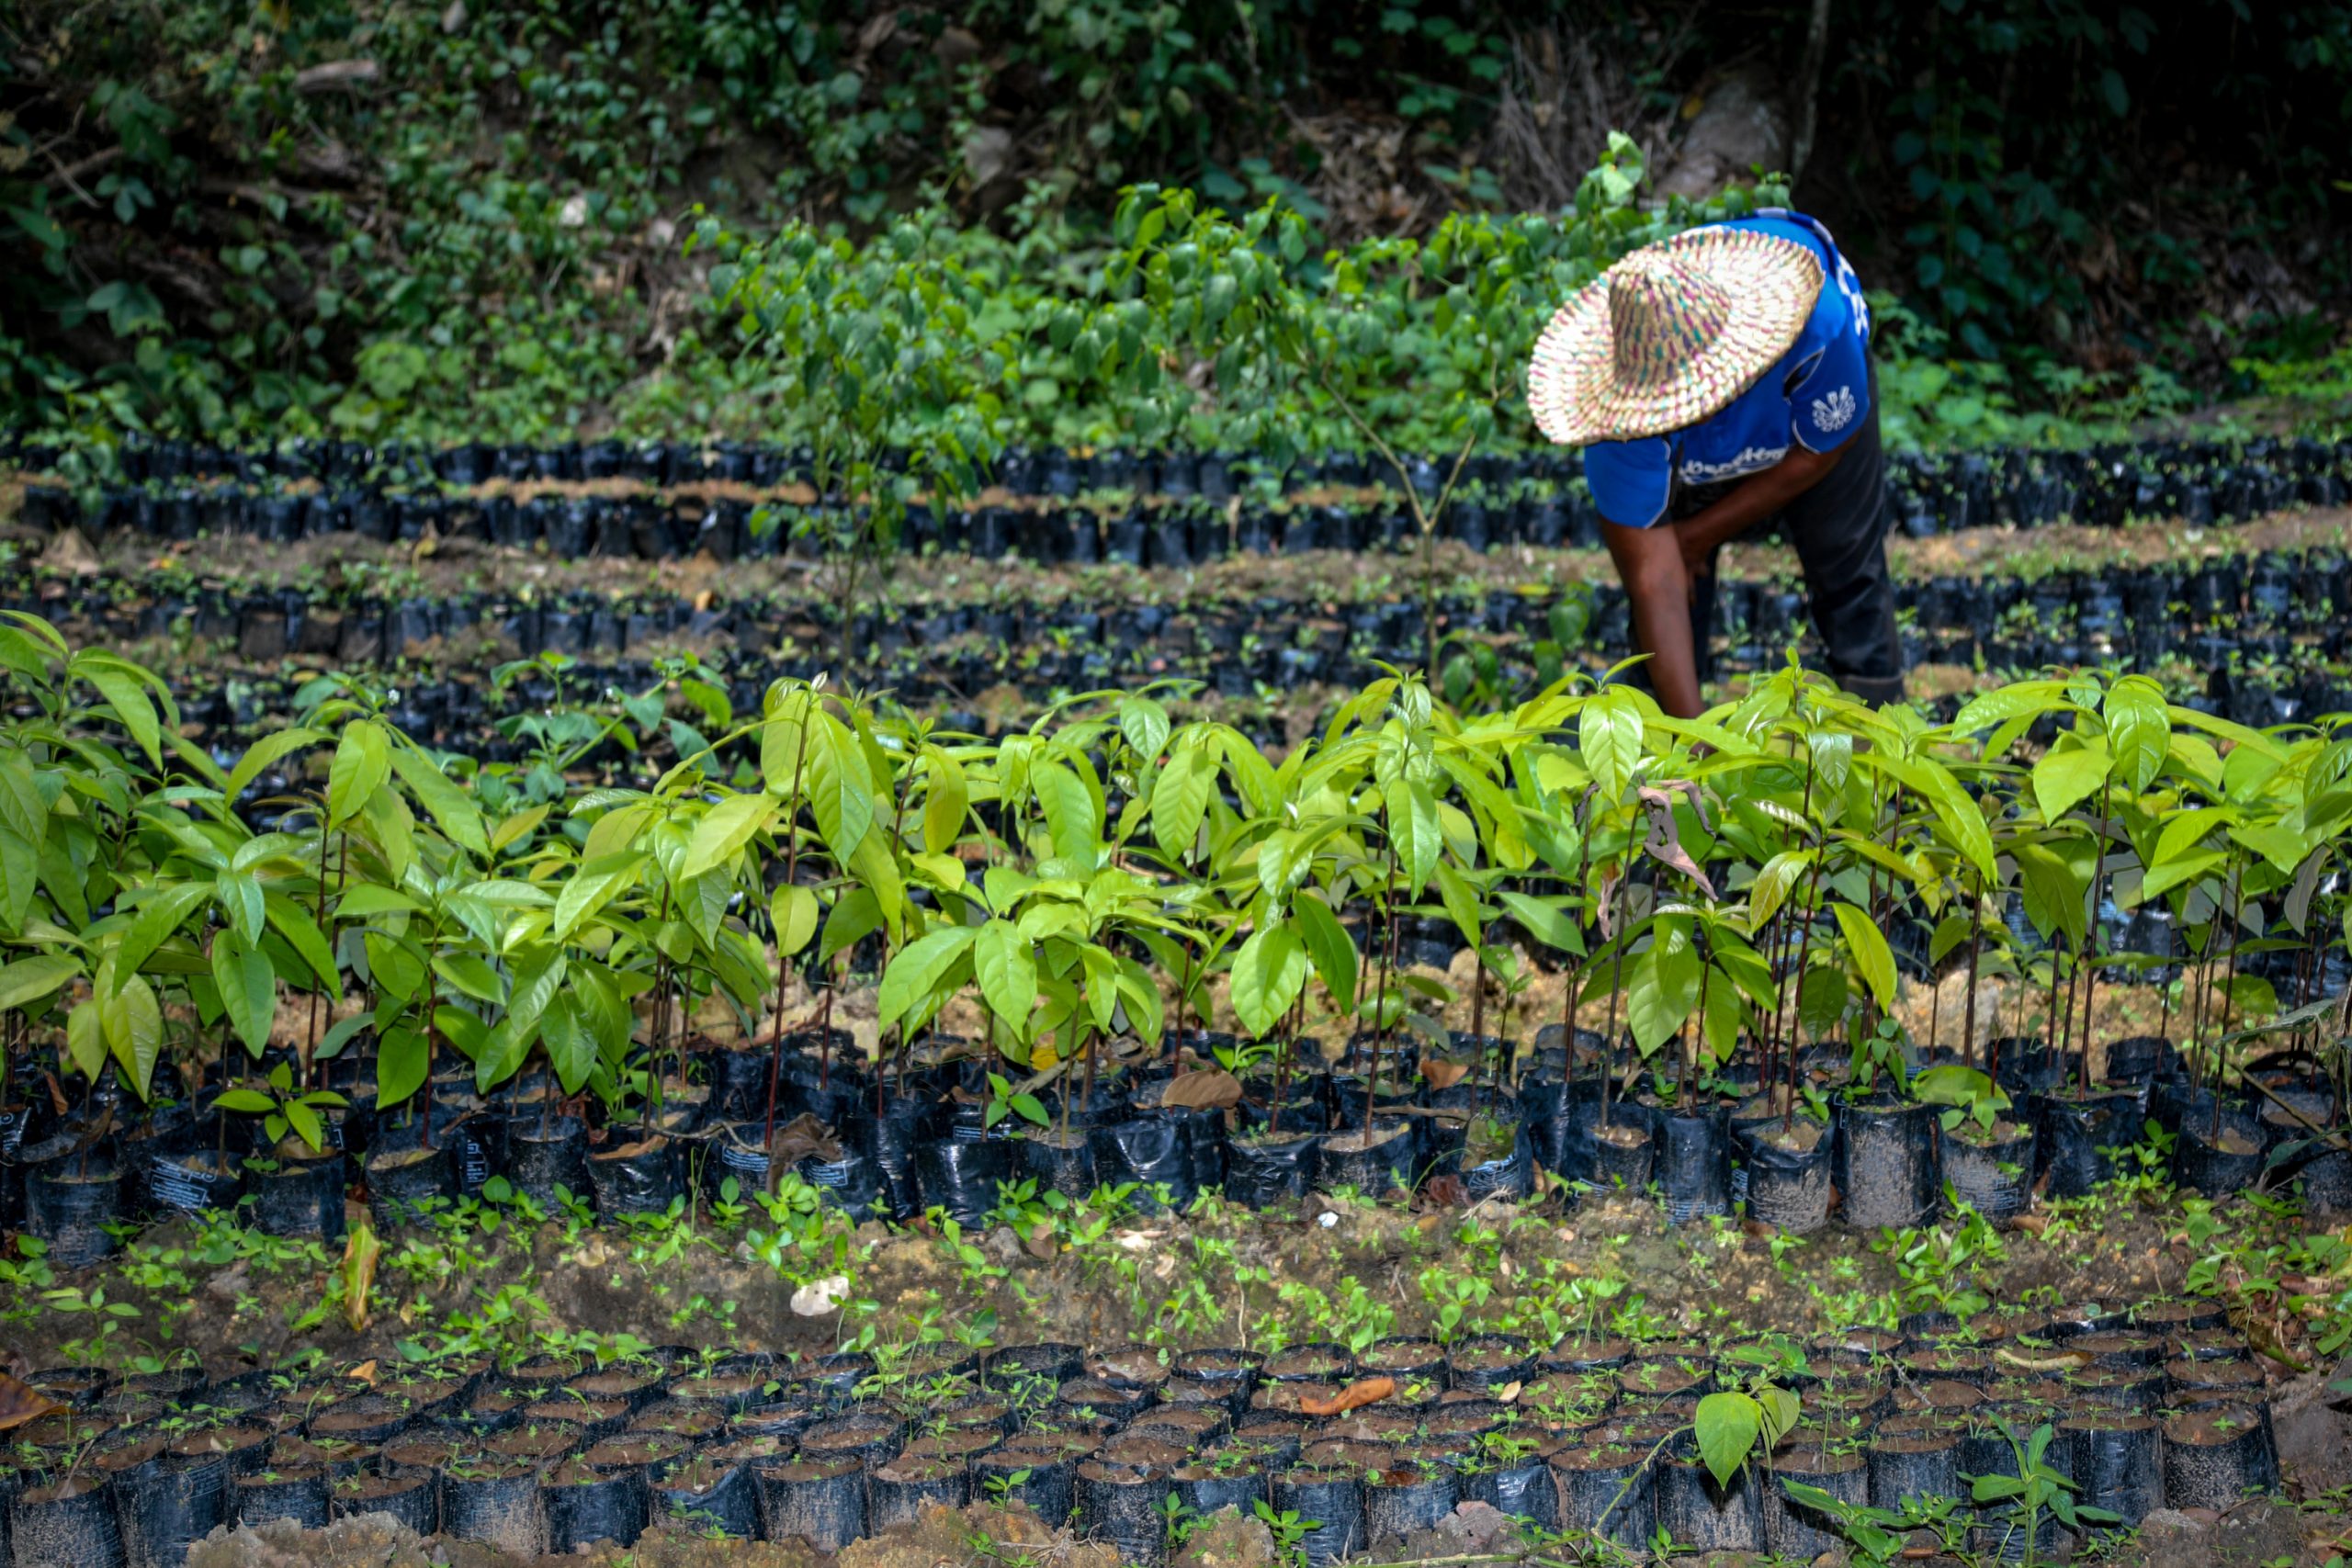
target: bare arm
1657 565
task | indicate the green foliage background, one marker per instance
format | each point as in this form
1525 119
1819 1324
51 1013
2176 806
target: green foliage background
379 218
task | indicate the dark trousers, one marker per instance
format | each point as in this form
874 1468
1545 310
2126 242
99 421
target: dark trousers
1838 529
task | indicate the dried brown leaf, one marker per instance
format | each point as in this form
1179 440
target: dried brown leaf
21 1403
1204 1088
1355 1396
1439 1073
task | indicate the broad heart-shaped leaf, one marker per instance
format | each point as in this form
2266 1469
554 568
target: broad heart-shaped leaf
724 829
29 980
2064 779
1268 974
362 759
590 886
1179 797
400 1064
248 988
159 914
2139 731
1866 944
1727 1426
920 968
1329 947
1006 967
443 798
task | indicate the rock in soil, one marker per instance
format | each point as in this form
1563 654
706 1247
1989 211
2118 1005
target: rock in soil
945 1535
364 1540
2254 1535
1228 1540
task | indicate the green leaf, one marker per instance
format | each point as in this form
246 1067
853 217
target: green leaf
947 801
1180 798
840 794
305 1122
1329 947
590 886
2138 731
919 970
1608 736
133 1024
266 753
301 932
158 916
1007 970
1727 1426
1462 906
2064 779
248 988
724 829
86 1040
443 798
362 761
1268 974
2024 699
29 980
793 913
1550 924
401 1065
1874 959
120 682
1072 815
570 1051
1417 832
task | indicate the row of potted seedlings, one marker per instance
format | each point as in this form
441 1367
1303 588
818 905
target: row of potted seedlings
1169 519
2100 483
2150 1406
1893 1140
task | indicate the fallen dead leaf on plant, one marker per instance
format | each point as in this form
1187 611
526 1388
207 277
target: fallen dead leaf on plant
1206 1089
20 1402
1355 1396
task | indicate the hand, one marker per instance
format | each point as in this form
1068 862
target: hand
1698 553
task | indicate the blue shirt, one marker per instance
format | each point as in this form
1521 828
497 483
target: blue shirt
1814 396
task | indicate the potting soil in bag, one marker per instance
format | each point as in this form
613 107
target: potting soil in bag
1262 1171
963 1177
69 1524
1123 1505
1151 1151
851 1183
1334 1499
1994 1177
1694 1164
546 1153
584 1504
822 1501
2078 1139
642 1176
1374 1166
1697 1511
68 1208
1788 1183
1507 1175
891 1139
2118 1462
1885 1163
302 1197
191 1183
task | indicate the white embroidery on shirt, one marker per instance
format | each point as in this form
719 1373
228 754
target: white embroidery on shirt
1754 460
1835 411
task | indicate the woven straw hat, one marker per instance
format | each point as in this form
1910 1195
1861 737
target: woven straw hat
1672 333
